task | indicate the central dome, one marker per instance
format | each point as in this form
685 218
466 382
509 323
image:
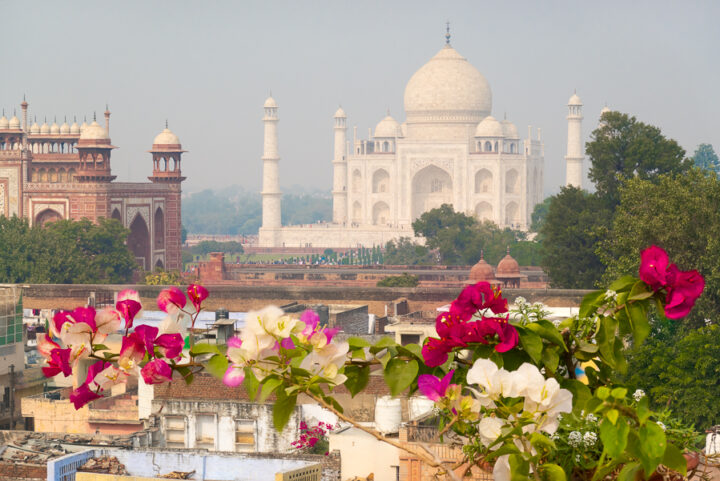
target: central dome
447 88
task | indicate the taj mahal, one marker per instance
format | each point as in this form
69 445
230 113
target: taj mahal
449 150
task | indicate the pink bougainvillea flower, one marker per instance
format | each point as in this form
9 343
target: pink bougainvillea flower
171 299
197 295
432 387
234 376
287 343
156 371
85 315
58 362
107 320
94 370
477 297
234 341
653 267
311 320
435 352
132 352
684 288
109 377
330 333
147 334
59 320
45 345
170 345
83 395
128 308
492 329
128 294
453 330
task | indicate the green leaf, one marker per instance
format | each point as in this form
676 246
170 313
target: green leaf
546 330
550 359
531 343
587 347
411 350
612 415
623 284
590 302
640 291
268 386
204 348
399 374
251 383
581 393
619 393
614 436
217 366
357 342
100 347
382 344
653 442
385 359
606 340
637 314
602 393
629 472
674 459
357 378
283 409
519 468
504 449
186 373
552 472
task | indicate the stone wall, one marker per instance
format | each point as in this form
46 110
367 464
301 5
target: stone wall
14 471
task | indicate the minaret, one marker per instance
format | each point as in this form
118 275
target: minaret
339 191
107 119
271 184
574 157
24 106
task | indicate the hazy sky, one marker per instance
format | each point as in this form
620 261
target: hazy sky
208 66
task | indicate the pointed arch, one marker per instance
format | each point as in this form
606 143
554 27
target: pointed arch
483 181
356 181
511 181
380 181
381 213
512 214
159 264
431 188
484 211
357 212
159 228
46 216
139 241
116 215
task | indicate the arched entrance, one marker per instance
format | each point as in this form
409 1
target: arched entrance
46 216
484 211
381 213
159 229
431 188
116 215
139 242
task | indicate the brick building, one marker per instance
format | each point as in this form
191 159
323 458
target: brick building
53 172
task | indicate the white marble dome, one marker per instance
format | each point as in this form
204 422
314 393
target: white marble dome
270 103
166 137
75 128
45 129
489 127
339 114
575 100
14 122
65 128
509 130
94 131
448 85
54 128
35 128
4 123
388 128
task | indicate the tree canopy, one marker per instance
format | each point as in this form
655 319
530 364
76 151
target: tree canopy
65 252
406 252
706 158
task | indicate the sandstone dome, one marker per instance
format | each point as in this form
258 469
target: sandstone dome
388 128
481 271
508 266
447 87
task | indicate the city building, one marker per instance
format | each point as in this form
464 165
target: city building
449 150
50 172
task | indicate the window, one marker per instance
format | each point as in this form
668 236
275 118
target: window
436 185
406 339
205 429
175 431
244 435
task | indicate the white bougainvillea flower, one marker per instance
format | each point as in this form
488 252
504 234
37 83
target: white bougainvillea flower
491 380
490 429
501 470
326 362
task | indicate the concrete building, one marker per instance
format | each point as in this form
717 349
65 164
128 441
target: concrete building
449 150
52 172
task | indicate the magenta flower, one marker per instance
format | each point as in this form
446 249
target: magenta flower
83 395
435 352
59 362
94 370
156 371
434 388
170 345
197 295
234 376
491 329
171 299
128 308
287 343
147 335
653 267
684 289
234 342
311 320
477 297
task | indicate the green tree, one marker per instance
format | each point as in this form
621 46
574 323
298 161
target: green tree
205 247
453 233
706 158
405 252
576 221
678 213
404 280
623 148
539 214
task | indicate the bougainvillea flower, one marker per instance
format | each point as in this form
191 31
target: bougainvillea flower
107 320
45 345
287 343
128 294
58 362
170 300
234 342
689 283
109 377
156 371
58 322
170 345
197 295
653 267
83 395
491 329
478 297
147 334
453 330
128 308
678 304
132 352
94 370
434 388
310 319
234 376
435 352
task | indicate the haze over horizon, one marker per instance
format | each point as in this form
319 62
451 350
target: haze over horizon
208 67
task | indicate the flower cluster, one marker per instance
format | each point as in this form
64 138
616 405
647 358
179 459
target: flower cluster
269 331
682 287
457 330
145 350
311 436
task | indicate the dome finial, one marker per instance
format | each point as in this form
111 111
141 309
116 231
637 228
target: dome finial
166 123
447 33
94 116
508 249
482 254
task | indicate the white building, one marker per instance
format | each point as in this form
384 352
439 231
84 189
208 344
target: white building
449 150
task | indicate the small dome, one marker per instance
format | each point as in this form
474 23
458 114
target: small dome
387 128
65 128
270 103
4 123
574 100
509 130
340 114
167 137
83 126
481 271
35 128
54 129
508 266
75 128
604 110
14 122
45 129
94 131
489 127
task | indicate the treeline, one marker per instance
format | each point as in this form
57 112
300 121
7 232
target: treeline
233 211
65 252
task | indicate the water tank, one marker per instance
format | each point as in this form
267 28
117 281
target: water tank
388 414
712 443
222 313
419 406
